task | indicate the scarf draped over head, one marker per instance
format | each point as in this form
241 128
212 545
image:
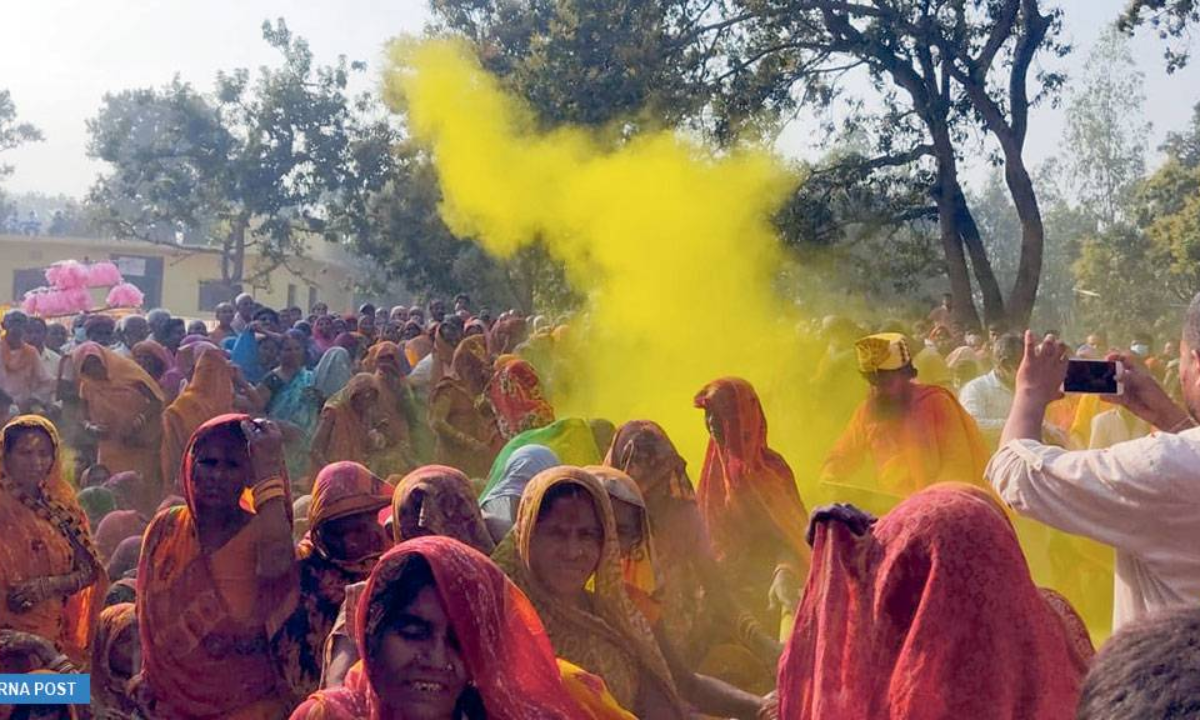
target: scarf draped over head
155 350
516 395
333 371
386 354
662 470
121 373
348 438
56 522
343 489
931 615
438 500
522 466
507 335
570 439
503 644
744 482
417 348
209 394
611 639
640 568
110 692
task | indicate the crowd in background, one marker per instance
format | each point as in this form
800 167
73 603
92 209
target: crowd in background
380 515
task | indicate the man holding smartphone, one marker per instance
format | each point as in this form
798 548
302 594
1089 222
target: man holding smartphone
1140 497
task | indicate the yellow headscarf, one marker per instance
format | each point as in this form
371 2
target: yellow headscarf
884 351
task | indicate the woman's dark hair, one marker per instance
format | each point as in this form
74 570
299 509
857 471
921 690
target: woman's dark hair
567 489
402 582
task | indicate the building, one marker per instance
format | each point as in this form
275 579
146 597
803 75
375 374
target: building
179 278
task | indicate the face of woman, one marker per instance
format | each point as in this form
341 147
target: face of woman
93 369
28 458
268 353
714 426
629 525
125 656
566 544
221 470
323 326
420 663
292 353
354 537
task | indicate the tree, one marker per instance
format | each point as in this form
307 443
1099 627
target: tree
257 167
1172 19
12 134
1105 136
1184 147
940 70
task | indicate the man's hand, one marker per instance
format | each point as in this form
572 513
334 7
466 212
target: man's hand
1144 397
1042 371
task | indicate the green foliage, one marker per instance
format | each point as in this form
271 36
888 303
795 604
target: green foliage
13 133
260 165
1171 19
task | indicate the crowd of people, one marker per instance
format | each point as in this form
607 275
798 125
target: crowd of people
381 515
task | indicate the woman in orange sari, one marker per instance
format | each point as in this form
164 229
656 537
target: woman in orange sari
750 503
217 579
929 615
461 418
480 651
52 582
350 426
114 662
518 402
123 407
208 394
397 405
343 543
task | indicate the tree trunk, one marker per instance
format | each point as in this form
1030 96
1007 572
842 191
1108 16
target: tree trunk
989 287
237 254
946 192
1033 237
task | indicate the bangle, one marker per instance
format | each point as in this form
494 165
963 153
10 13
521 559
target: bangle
62 665
270 489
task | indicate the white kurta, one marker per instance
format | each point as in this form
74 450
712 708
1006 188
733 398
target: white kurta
1141 497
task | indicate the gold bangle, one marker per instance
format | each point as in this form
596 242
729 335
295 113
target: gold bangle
267 490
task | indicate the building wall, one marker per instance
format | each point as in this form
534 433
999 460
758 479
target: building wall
327 270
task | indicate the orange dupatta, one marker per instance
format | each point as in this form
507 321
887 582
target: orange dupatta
115 403
41 538
207 395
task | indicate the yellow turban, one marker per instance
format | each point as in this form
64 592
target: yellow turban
885 351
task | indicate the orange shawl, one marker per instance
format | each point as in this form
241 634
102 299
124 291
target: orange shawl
745 485
208 394
200 660
931 615
115 403
57 525
935 441
348 439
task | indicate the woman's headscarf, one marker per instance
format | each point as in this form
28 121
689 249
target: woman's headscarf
444 502
931 615
470 359
639 570
128 489
744 482
244 354
96 502
59 507
570 439
611 640
125 558
117 526
644 444
333 371
348 438
340 490
502 642
209 394
229 421
507 335
109 692
516 396
386 353
159 353
522 466
121 371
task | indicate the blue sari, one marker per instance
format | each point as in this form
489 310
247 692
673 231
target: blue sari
292 402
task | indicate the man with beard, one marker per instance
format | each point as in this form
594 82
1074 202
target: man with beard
1139 497
915 435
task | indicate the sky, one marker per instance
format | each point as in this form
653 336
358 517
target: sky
59 57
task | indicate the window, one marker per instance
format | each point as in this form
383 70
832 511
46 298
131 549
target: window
214 292
26 280
291 295
312 296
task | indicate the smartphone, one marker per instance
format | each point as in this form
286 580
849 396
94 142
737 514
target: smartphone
1094 377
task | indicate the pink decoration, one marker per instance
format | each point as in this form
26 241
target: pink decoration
54 302
104 274
125 295
67 274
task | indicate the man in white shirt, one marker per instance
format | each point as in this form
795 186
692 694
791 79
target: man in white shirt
988 398
1141 497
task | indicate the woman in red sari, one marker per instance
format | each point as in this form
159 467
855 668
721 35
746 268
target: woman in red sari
52 582
217 578
929 615
515 393
750 503
446 636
